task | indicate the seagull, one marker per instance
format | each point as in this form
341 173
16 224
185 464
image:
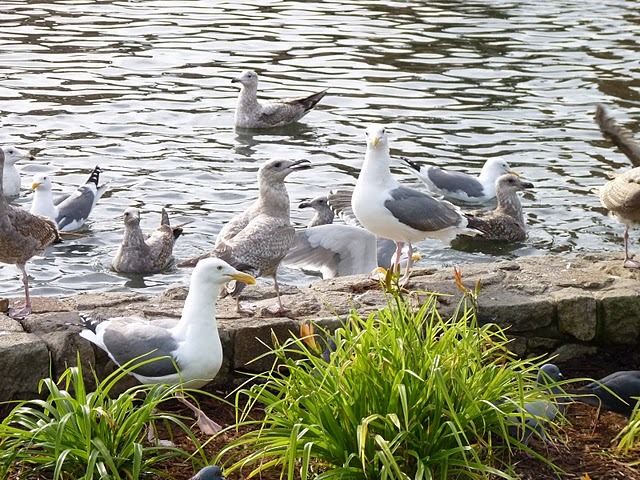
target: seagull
462 186
505 223
22 235
621 196
250 113
323 216
71 211
256 240
11 179
620 136
618 392
402 214
209 473
540 413
140 254
188 350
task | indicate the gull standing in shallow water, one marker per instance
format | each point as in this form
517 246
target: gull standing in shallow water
462 186
389 210
192 344
140 254
250 113
11 176
506 222
71 211
256 240
22 235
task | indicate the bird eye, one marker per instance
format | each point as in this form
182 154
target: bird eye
219 267
277 164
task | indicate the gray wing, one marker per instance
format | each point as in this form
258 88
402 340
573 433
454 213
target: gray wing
160 244
287 110
334 250
76 207
449 181
234 226
24 235
61 198
619 136
421 211
127 341
385 252
496 227
340 203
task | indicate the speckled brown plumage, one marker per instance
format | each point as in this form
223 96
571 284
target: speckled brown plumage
256 240
620 136
22 235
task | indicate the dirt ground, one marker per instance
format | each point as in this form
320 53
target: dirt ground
583 448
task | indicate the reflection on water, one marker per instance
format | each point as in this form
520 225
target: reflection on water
143 90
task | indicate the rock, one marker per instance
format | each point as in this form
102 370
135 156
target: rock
253 339
519 313
577 313
24 361
573 351
620 321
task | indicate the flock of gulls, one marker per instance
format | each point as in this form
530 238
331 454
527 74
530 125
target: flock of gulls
382 221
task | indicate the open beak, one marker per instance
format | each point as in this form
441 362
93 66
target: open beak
242 277
526 184
300 165
34 185
304 205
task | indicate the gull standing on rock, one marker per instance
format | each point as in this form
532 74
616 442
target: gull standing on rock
140 254
188 351
462 186
71 211
506 222
11 178
256 240
621 196
250 113
404 215
22 235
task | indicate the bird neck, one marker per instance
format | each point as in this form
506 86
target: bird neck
3 201
322 217
200 303
375 169
275 197
248 96
509 204
43 203
133 236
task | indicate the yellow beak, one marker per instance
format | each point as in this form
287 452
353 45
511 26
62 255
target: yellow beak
34 185
243 277
515 173
375 141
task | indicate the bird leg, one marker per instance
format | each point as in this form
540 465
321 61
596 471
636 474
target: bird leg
278 308
206 425
26 310
407 273
628 263
396 263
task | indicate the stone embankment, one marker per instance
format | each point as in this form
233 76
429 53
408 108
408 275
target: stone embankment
572 307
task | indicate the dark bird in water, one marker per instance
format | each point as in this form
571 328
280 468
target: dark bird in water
22 235
250 113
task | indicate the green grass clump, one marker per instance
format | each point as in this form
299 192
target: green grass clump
628 440
406 395
75 434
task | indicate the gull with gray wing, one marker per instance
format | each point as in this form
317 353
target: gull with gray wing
251 113
11 179
69 212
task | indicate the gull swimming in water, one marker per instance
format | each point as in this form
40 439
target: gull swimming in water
69 212
22 235
11 179
145 254
250 113
462 186
256 240
389 210
621 196
505 223
188 350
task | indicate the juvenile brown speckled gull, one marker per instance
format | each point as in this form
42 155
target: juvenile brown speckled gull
22 235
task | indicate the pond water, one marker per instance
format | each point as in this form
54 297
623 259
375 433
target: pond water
142 88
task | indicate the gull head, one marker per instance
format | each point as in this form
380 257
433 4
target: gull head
511 183
494 167
131 217
41 181
247 78
209 473
13 155
276 171
318 204
376 136
216 272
